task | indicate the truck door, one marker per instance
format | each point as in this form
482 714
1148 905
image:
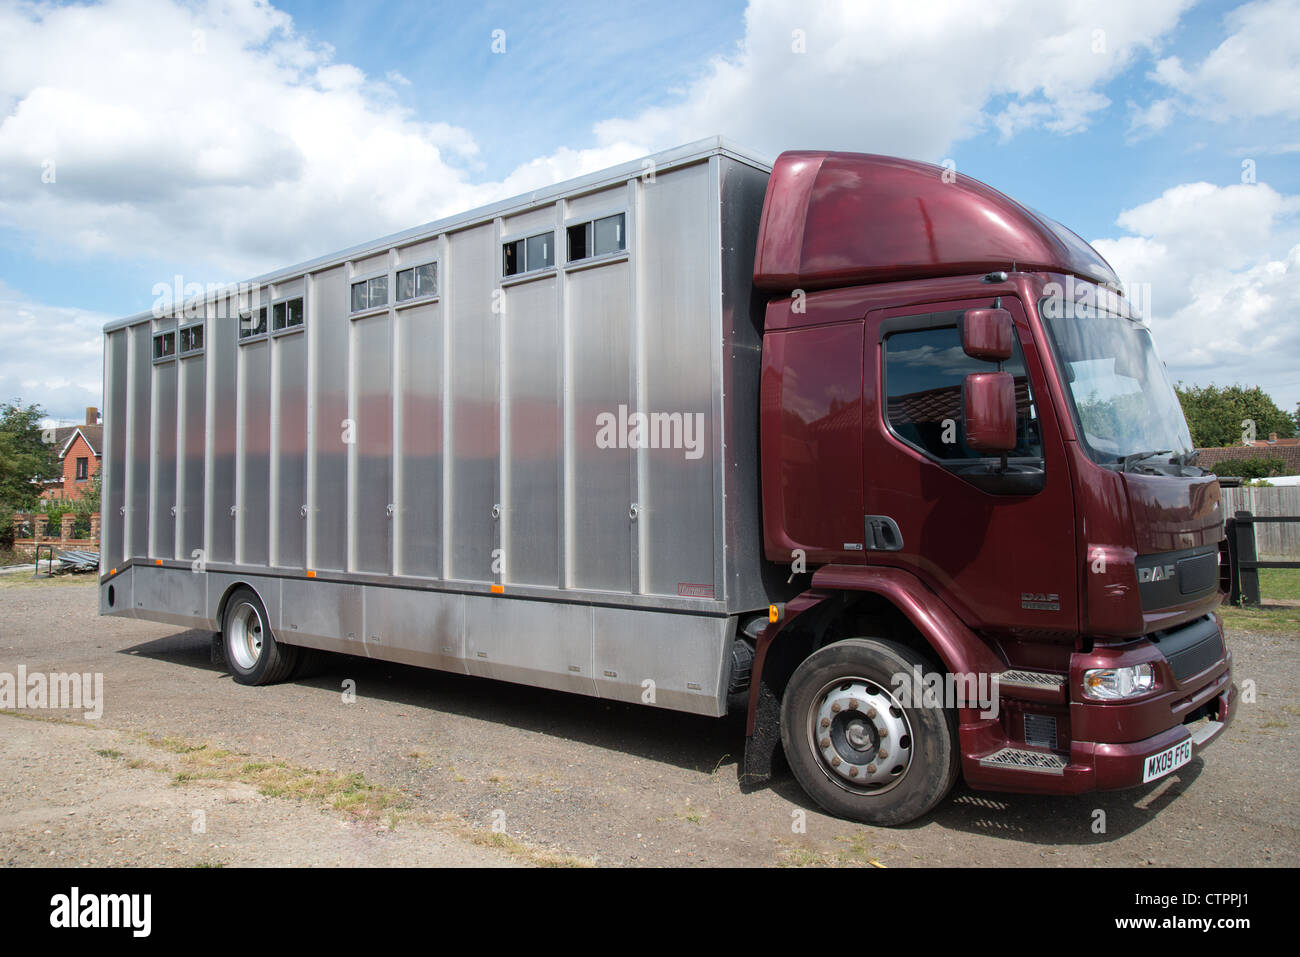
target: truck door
996 543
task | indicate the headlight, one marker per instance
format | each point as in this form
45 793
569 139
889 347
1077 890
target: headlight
1110 684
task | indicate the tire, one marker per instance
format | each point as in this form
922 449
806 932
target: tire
253 656
312 662
839 715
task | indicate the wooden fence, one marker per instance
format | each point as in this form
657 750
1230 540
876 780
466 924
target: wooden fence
1281 541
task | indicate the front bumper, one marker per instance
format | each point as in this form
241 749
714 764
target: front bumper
1117 766
1110 742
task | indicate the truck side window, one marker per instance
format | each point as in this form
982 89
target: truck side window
164 345
529 254
597 237
252 325
924 372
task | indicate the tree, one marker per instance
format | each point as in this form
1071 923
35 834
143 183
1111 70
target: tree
88 504
25 457
1215 415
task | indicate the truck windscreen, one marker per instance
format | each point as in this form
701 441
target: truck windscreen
1123 400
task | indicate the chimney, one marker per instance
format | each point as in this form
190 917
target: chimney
1272 438
92 415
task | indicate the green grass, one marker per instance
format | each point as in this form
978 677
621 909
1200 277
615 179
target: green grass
1275 585
1279 583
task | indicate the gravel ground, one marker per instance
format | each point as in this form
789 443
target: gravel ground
92 807
565 778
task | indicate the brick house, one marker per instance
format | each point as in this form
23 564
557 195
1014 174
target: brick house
81 453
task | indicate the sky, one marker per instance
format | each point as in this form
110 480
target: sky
220 139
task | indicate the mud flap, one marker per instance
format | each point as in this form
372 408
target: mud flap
764 745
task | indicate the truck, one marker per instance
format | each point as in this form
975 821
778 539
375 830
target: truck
854 443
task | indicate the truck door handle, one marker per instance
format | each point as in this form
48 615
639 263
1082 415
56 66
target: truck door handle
883 534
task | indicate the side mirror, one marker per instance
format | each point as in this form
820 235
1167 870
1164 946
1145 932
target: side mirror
989 402
987 334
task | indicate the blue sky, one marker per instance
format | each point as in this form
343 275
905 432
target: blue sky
220 140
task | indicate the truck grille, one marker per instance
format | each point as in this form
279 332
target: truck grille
1040 730
1192 648
1198 573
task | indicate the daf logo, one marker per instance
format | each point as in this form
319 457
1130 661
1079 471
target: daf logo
1156 573
1040 601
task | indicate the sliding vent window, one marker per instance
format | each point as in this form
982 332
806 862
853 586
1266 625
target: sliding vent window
164 345
541 251
370 293
417 282
528 255
599 237
611 236
191 340
251 324
287 314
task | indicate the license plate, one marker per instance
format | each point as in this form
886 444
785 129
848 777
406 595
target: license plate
1170 759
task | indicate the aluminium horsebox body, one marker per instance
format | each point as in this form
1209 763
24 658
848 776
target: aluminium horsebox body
523 443
519 443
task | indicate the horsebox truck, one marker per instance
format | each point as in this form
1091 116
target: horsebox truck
855 440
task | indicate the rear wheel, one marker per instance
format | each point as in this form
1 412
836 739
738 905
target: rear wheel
854 746
252 653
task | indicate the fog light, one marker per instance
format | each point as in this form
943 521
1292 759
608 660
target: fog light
1110 684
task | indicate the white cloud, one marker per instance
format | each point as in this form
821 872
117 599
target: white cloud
1254 72
897 78
211 132
216 133
52 355
1152 118
1219 270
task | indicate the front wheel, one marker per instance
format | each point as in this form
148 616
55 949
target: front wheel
854 746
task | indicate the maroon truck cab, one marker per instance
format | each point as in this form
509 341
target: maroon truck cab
975 465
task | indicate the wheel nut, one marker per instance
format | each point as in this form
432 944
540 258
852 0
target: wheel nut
853 772
871 712
883 755
871 769
825 742
853 704
835 762
883 732
826 722
835 708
